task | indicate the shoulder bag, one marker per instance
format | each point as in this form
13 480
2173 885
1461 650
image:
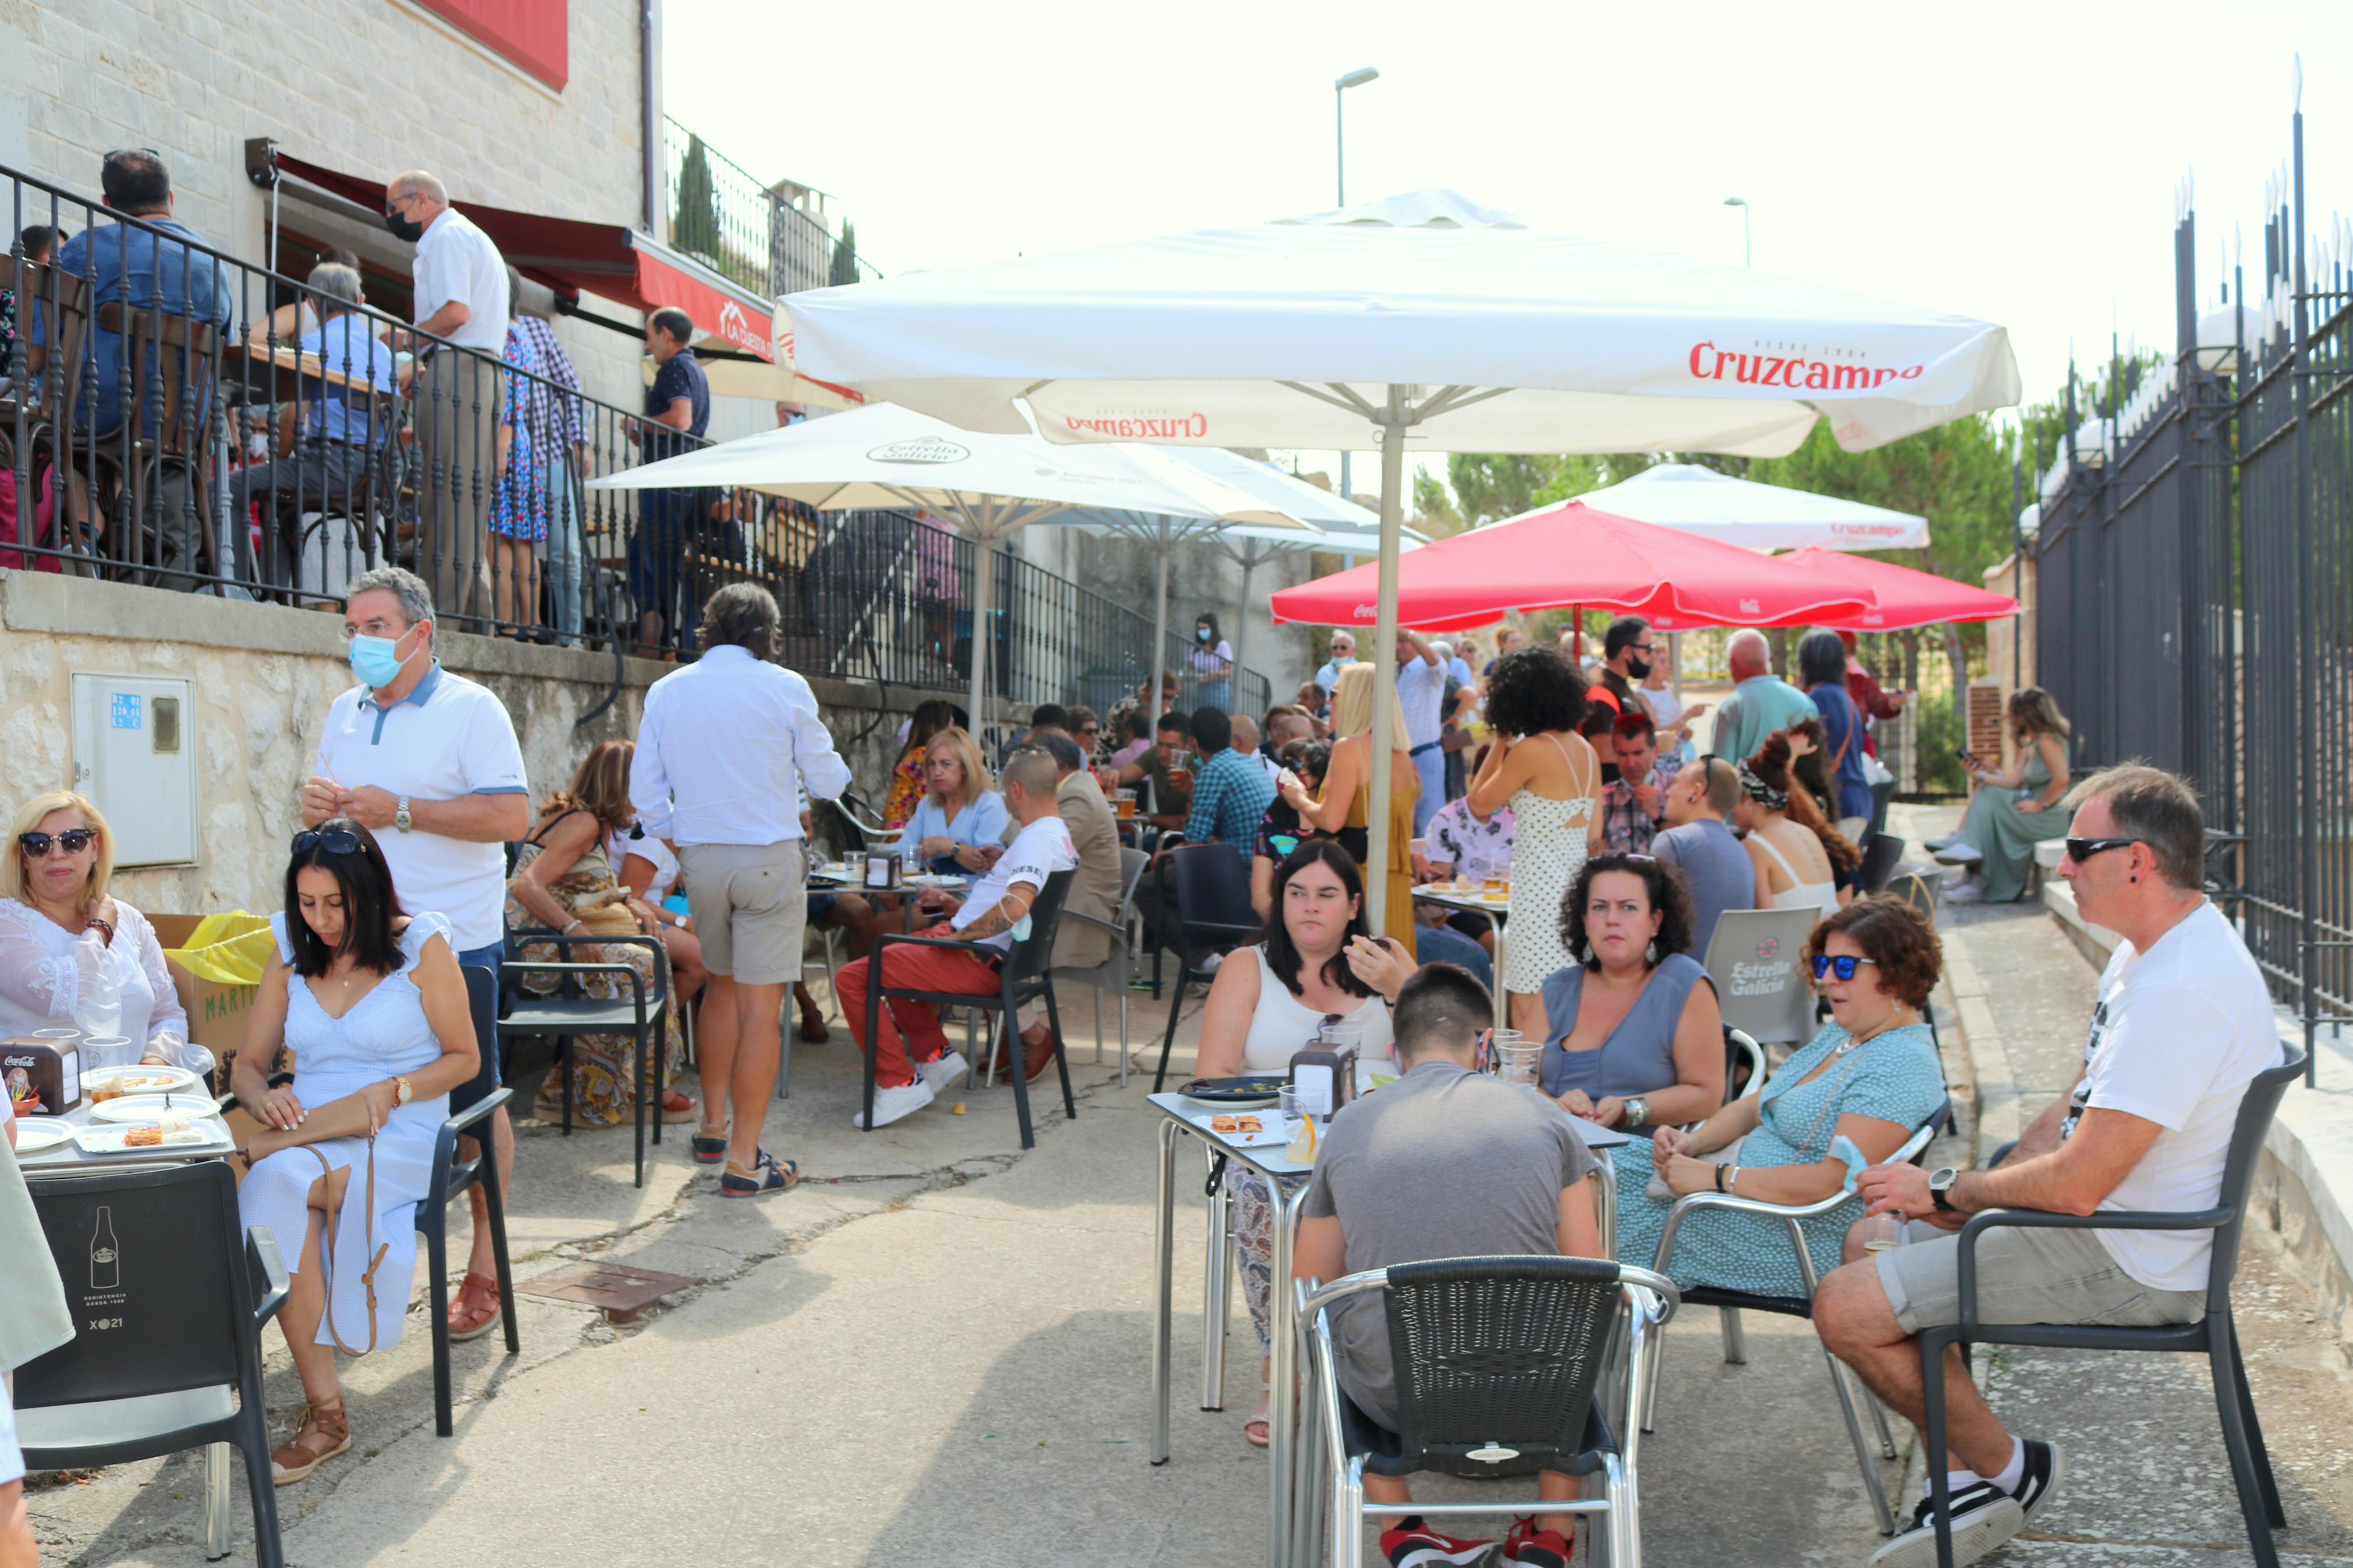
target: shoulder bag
346 1118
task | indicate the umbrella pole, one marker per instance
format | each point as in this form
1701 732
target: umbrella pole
981 633
1241 637
1160 628
1384 636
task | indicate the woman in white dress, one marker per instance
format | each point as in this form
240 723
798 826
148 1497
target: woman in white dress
72 956
1793 863
374 1006
1548 774
1319 963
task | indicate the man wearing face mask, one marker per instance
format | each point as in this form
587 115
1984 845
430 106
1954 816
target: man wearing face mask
461 296
1626 654
427 761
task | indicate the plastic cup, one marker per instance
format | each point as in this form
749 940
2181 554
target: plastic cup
1298 1123
1518 1062
1882 1232
108 1052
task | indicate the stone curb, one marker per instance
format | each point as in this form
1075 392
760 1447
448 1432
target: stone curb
1991 1088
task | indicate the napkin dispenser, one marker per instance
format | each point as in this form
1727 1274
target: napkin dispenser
1326 1078
885 870
44 1076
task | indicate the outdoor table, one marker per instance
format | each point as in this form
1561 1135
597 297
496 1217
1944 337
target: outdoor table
1470 901
70 1160
1179 1115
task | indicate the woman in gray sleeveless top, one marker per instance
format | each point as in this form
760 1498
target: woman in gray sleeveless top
1633 1038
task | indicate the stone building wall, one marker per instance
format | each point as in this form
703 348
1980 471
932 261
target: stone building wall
262 678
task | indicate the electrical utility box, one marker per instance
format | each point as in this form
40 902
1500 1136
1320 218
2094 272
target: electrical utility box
135 752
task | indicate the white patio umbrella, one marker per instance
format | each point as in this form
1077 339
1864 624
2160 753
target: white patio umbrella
1764 517
1424 320
987 485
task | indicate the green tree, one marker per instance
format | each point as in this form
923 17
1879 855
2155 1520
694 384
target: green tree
694 225
1491 486
845 255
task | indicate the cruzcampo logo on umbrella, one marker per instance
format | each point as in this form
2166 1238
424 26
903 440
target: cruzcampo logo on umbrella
919 449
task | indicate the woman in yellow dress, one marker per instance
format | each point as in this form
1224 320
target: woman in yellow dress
1344 806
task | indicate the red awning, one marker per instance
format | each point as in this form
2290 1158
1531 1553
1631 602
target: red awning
609 260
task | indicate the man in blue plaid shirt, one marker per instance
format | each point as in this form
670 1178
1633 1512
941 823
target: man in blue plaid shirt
1229 792
553 420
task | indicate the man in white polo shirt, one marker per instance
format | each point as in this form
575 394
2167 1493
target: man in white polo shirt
719 750
461 296
1421 693
427 762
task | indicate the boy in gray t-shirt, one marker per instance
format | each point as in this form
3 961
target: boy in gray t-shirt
1444 1162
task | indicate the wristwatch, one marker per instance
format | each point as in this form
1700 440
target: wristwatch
400 817
403 1092
1940 1184
1638 1110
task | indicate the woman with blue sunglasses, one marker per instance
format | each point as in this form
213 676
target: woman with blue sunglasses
1870 1077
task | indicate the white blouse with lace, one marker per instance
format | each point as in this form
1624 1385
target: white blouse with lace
43 970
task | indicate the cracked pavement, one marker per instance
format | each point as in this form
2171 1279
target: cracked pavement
935 1350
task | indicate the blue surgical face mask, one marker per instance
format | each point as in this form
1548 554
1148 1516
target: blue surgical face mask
1202 633
377 661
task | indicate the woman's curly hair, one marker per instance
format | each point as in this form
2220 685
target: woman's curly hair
1897 939
1534 691
1662 883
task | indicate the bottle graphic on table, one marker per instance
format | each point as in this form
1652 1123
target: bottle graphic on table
105 1257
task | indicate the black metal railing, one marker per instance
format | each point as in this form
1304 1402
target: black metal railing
726 218
2196 587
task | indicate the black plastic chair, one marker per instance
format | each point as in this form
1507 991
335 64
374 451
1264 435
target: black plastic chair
1213 905
169 1306
640 1015
2216 1336
1023 977
470 1105
1879 859
1732 1303
1499 1366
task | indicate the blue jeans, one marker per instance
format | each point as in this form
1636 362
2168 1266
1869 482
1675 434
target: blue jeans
487 958
1431 765
566 547
1443 944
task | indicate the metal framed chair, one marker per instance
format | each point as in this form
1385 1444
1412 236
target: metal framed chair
1117 971
189 1288
1915 886
1025 976
470 1106
1743 1056
1879 860
1500 1363
1213 906
2215 1336
640 1015
1732 1303
1756 960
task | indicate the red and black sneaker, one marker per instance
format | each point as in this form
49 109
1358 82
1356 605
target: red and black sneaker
1528 1547
1410 1544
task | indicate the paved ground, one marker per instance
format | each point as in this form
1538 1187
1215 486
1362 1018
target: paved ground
935 1351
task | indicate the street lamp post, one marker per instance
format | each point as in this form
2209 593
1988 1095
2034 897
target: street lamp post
1748 255
1340 181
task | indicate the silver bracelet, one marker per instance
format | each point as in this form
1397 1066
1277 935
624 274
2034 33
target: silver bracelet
1638 1110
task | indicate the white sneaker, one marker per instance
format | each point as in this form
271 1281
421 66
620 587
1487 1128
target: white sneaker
895 1104
942 1071
1959 853
1984 1516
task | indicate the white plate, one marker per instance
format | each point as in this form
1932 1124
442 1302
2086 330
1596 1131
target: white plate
932 879
35 1133
147 1079
141 1110
212 1134
1271 1131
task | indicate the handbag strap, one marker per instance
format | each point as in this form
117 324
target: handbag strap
374 1256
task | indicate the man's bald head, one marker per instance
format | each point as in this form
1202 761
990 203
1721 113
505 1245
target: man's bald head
1245 732
419 182
1750 655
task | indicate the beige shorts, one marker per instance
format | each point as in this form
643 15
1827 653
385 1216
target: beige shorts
2024 1277
750 903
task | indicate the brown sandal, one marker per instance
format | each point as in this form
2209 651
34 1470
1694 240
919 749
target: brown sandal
321 1432
478 1293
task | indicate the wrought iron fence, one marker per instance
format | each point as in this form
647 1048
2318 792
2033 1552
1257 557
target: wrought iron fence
2196 590
722 215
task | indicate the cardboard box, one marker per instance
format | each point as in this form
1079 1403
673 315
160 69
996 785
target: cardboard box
216 1011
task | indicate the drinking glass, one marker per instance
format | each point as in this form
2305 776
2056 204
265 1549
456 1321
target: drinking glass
1298 1123
1882 1232
1517 1061
1498 1040
108 1052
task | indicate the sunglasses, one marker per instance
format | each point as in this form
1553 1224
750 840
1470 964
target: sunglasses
2081 849
1843 966
334 841
73 841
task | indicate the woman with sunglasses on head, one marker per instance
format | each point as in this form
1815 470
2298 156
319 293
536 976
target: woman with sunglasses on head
1871 1076
72 955
374 1006
2013 809
1633 1036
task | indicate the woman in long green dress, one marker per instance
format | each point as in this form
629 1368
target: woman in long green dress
2013 812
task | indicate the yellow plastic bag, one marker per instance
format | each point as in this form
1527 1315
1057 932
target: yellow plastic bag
229 949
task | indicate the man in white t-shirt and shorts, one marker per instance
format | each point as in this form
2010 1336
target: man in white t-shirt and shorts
912 1059
2183 1025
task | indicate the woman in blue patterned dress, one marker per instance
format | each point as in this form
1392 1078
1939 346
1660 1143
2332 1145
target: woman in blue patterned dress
1871 1075
519 509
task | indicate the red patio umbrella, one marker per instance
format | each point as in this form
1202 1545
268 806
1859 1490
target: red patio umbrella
1901 597
1572 555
